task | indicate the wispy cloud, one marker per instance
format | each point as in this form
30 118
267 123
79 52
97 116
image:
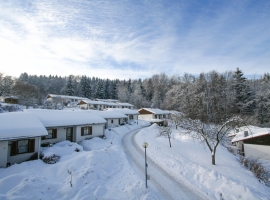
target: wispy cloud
132 39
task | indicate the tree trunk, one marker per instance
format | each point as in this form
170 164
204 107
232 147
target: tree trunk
213 158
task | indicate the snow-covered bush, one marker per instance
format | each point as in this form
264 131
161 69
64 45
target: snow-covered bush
257 168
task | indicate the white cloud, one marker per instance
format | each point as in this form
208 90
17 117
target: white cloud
130 40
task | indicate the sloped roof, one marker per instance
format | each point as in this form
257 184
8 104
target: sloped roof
107 115
87 101
253 131
155 111
54 118
17 125
124 104
125 111
67 97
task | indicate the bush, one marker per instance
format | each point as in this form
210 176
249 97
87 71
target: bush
77 150
257 168
50 159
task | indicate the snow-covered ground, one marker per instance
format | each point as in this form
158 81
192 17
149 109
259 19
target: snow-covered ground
102 170
187 160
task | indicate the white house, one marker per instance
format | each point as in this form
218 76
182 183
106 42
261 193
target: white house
113 118
54 98
253 141
20 137
132 115
125 105
89 104
74 126
153 115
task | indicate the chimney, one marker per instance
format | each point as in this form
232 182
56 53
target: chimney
245 133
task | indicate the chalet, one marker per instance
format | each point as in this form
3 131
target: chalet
132 115
113 118
54 98
89 104
153 115
10 99
20 137
74 126
253 141
125 105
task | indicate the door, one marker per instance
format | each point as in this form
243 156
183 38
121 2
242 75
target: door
69 134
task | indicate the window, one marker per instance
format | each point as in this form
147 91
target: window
130 116
164 116
155 116
112 121
87 130
52 133
22 146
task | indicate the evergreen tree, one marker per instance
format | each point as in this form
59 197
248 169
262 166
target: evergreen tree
106 89
70 87
243 99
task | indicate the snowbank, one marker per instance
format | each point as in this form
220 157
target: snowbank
190 162
102 172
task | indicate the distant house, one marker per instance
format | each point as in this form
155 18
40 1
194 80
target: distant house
9 99
126 105
113 118
153 115
132 115
74 126
94 105
20 137
253 141
54 98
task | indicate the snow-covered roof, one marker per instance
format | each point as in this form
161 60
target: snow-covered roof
87 101
253 131
112 104
124 104
107 100
66 97
16 125
107 115
54 118
155 111
125 111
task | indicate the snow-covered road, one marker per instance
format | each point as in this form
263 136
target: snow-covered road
160 180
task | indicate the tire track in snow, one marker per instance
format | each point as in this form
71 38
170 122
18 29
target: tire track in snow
161 180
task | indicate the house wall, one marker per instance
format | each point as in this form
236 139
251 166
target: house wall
61 136
22 157
257 151
146 116
3 153
97 130
83 106
115 122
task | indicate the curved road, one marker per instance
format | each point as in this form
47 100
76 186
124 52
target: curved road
160 179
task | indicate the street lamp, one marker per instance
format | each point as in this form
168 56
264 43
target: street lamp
145 145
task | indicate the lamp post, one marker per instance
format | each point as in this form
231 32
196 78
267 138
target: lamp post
145 145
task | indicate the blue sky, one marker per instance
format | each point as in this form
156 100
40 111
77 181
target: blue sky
134 39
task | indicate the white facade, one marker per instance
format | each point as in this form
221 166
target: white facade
22 157
257 151
97 130
3 153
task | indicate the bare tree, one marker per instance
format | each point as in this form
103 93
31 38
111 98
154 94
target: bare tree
165 131
209 134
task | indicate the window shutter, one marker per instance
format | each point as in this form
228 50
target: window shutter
13 150
54 133
90 130
31 145
82 134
